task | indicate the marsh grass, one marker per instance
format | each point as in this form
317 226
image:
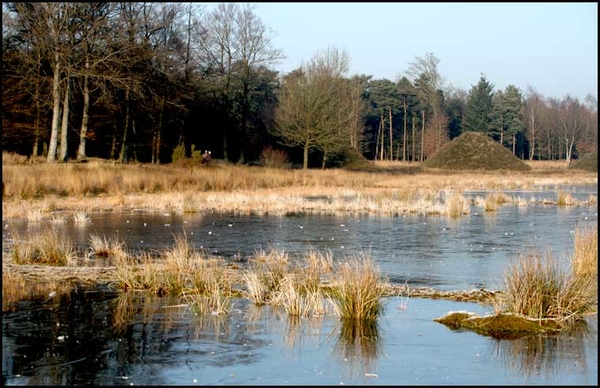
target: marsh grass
536 287
584 260
564 199
106 246
45 247
358 290
313 285
179 270
81 217
456 205
34 216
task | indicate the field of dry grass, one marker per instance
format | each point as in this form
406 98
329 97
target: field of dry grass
387 188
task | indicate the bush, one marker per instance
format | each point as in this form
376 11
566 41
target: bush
273 158
179 154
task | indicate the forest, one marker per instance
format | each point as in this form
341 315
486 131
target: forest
153 82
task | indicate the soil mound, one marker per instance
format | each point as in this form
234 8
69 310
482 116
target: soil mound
475 151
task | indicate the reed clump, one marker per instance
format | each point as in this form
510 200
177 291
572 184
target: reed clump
358 290
564 199
536 287
180 270
456 206
45 247
106 246
584 260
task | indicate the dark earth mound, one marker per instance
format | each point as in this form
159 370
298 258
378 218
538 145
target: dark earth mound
475 151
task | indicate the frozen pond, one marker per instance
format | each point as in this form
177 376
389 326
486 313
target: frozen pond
99 338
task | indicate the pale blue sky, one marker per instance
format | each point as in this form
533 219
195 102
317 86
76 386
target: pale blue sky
550 46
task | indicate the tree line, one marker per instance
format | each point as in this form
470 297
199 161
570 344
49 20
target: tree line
141 81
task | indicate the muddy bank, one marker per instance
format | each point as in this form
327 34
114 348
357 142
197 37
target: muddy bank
96 276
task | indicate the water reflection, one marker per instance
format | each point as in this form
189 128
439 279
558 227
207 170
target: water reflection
358 347
544 356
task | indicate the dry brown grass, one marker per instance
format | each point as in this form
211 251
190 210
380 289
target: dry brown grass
389 188
536 287
585 255
106 246
44 247
357 290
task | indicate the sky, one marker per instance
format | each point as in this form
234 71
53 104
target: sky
552 47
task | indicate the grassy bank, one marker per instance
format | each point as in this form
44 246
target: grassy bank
387 188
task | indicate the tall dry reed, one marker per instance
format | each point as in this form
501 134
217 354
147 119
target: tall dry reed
585 255
536 286
44 247
358 290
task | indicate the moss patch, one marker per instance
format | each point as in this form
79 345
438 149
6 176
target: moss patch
500 326
475 151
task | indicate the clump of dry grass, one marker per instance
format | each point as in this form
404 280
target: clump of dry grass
81 217
456 206
357 291
137 273
34 216
179 271
45 247
584 260
536 287
564 199
104 246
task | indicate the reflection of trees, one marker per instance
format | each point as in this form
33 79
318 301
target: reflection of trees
359 346
539 355
59 344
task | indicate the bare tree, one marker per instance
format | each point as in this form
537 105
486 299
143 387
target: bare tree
570 124
314 105
237 44
429 83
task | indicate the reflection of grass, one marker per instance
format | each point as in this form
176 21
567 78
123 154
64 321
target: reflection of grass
534 355
358 345
16 287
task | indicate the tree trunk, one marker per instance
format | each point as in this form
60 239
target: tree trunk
381 148
532 149
324 160
55 110
414 141
404 136
422 137
123 153
514 143
64 128
377 141
305 161
85 117
391 156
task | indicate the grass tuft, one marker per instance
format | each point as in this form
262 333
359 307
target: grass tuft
46 247
358 290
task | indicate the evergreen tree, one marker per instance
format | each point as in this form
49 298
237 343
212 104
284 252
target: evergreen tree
507 118
478 111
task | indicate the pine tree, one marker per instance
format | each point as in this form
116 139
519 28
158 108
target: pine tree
479 108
